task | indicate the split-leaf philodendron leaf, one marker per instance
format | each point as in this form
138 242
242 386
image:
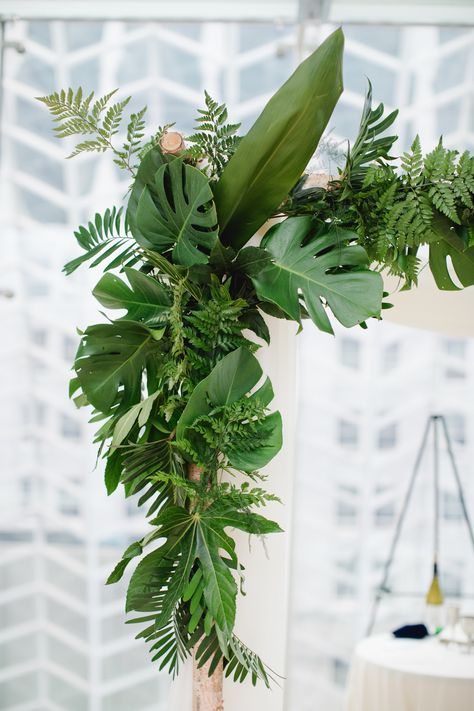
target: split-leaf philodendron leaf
322 268
176 213
111 360
448 244
144 300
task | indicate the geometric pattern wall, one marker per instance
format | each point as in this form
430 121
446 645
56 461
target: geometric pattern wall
63 644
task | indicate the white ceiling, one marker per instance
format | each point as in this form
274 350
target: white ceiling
453 12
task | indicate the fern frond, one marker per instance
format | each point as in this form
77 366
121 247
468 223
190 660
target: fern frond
214 140
412 163
74 117
440 171
132 145
96 146
214 329
100 104
243 497
443 199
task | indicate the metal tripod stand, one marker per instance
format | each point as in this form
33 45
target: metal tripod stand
434 423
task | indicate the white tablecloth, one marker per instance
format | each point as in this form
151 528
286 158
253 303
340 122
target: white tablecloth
389 674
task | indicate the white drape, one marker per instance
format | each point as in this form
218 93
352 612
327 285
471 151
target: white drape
410 675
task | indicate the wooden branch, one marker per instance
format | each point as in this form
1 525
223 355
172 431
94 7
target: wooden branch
207 690
172 142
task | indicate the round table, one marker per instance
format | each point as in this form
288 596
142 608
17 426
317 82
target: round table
390 674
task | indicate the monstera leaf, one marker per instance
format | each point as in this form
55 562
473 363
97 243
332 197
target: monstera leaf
111 360
231 380
323 269
146 172
275 152
176 213
145 299
450 245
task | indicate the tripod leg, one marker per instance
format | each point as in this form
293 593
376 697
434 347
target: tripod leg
398 528
458 481
436 489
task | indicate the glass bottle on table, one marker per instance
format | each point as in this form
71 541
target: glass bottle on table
434 603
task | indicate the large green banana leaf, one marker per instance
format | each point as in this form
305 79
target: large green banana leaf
324 270
450 245
275 152
176 213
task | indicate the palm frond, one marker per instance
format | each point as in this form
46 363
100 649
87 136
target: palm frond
369 145
172 643
107 236
239 662
142 467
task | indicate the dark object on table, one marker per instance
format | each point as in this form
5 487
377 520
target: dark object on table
411 632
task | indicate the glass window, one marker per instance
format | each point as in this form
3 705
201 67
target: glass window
344 590
455 347
69 348
340 672
39 336
451 506
454 374
384 515
68 504
387 437
70 429
390 356
350 352
346 513
456 424
347 433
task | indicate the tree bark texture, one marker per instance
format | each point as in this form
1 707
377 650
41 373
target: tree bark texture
207 690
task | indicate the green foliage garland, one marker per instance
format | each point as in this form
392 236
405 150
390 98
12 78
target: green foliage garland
425 200
173 382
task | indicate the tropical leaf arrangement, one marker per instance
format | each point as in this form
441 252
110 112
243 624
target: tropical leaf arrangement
183 410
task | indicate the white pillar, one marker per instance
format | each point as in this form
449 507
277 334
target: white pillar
262 615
